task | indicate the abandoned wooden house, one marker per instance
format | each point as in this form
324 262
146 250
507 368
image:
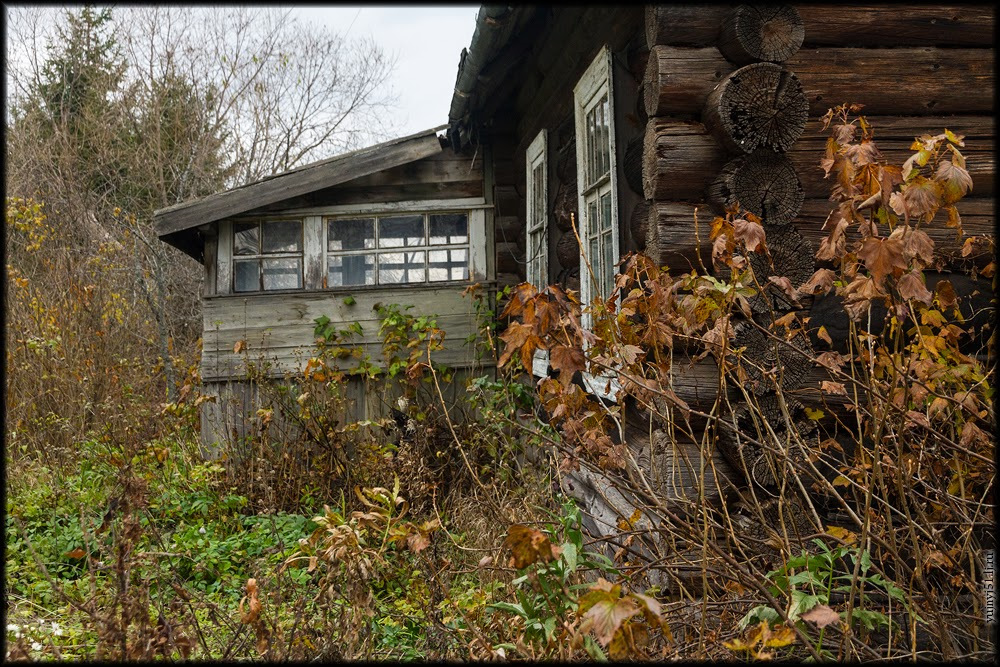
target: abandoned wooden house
627 118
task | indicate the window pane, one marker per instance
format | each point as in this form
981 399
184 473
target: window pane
246 238
593 224
246 275
400 231
401 267
537 203
608 267
598 130
356 234
282 236
450 228
285 273
594 257
350 270
606 211
450 264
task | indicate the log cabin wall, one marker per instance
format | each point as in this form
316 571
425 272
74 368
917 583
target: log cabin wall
537 73
915 69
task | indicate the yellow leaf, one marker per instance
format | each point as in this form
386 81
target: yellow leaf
780 636
840 480
239 346
815 414
842 534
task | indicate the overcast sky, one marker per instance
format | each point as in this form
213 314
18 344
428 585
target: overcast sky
427 41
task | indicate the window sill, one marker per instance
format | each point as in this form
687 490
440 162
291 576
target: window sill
594 384
353 289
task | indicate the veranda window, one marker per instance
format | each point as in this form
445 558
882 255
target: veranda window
397 248
267 255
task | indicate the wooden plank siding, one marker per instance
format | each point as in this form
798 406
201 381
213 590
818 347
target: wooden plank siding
279 327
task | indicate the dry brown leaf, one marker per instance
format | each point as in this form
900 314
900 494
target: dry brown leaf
821 615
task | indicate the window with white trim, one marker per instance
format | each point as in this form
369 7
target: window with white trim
267 255
537 214
397 248
596 179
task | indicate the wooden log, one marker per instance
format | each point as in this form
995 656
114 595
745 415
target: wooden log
696 24
638 224
757 106
681 159
632 164
750 33
891 25
565 206
837 25
672 238
568 250
789 255
763 183
510 259
764 466
935 81
768 363
977 216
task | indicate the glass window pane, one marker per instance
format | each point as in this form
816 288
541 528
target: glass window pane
450 228
355 234
350 270
401 231
593 224
246 275
609 266
451 264
281 236
594 257
246 238
284 273
401 267
606 211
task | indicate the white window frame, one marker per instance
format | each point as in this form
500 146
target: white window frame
593 86
262 256
537 216
377 250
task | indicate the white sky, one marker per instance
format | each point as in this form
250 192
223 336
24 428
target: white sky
427 42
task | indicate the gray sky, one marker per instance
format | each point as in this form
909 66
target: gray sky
427 41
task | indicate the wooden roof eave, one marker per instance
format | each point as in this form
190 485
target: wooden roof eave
174 223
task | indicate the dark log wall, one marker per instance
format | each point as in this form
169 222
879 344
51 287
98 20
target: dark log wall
536 92
917 69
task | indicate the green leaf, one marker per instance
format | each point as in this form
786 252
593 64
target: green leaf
508 607
757 614
569 554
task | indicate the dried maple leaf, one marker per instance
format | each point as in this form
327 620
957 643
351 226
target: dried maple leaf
822 615
528 545
882 257
955 182
567 361
750 233
922 197
911 286
820 282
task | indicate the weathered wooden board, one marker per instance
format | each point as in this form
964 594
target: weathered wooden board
673 240
296 182
932 80
837 25
279 328
681 159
